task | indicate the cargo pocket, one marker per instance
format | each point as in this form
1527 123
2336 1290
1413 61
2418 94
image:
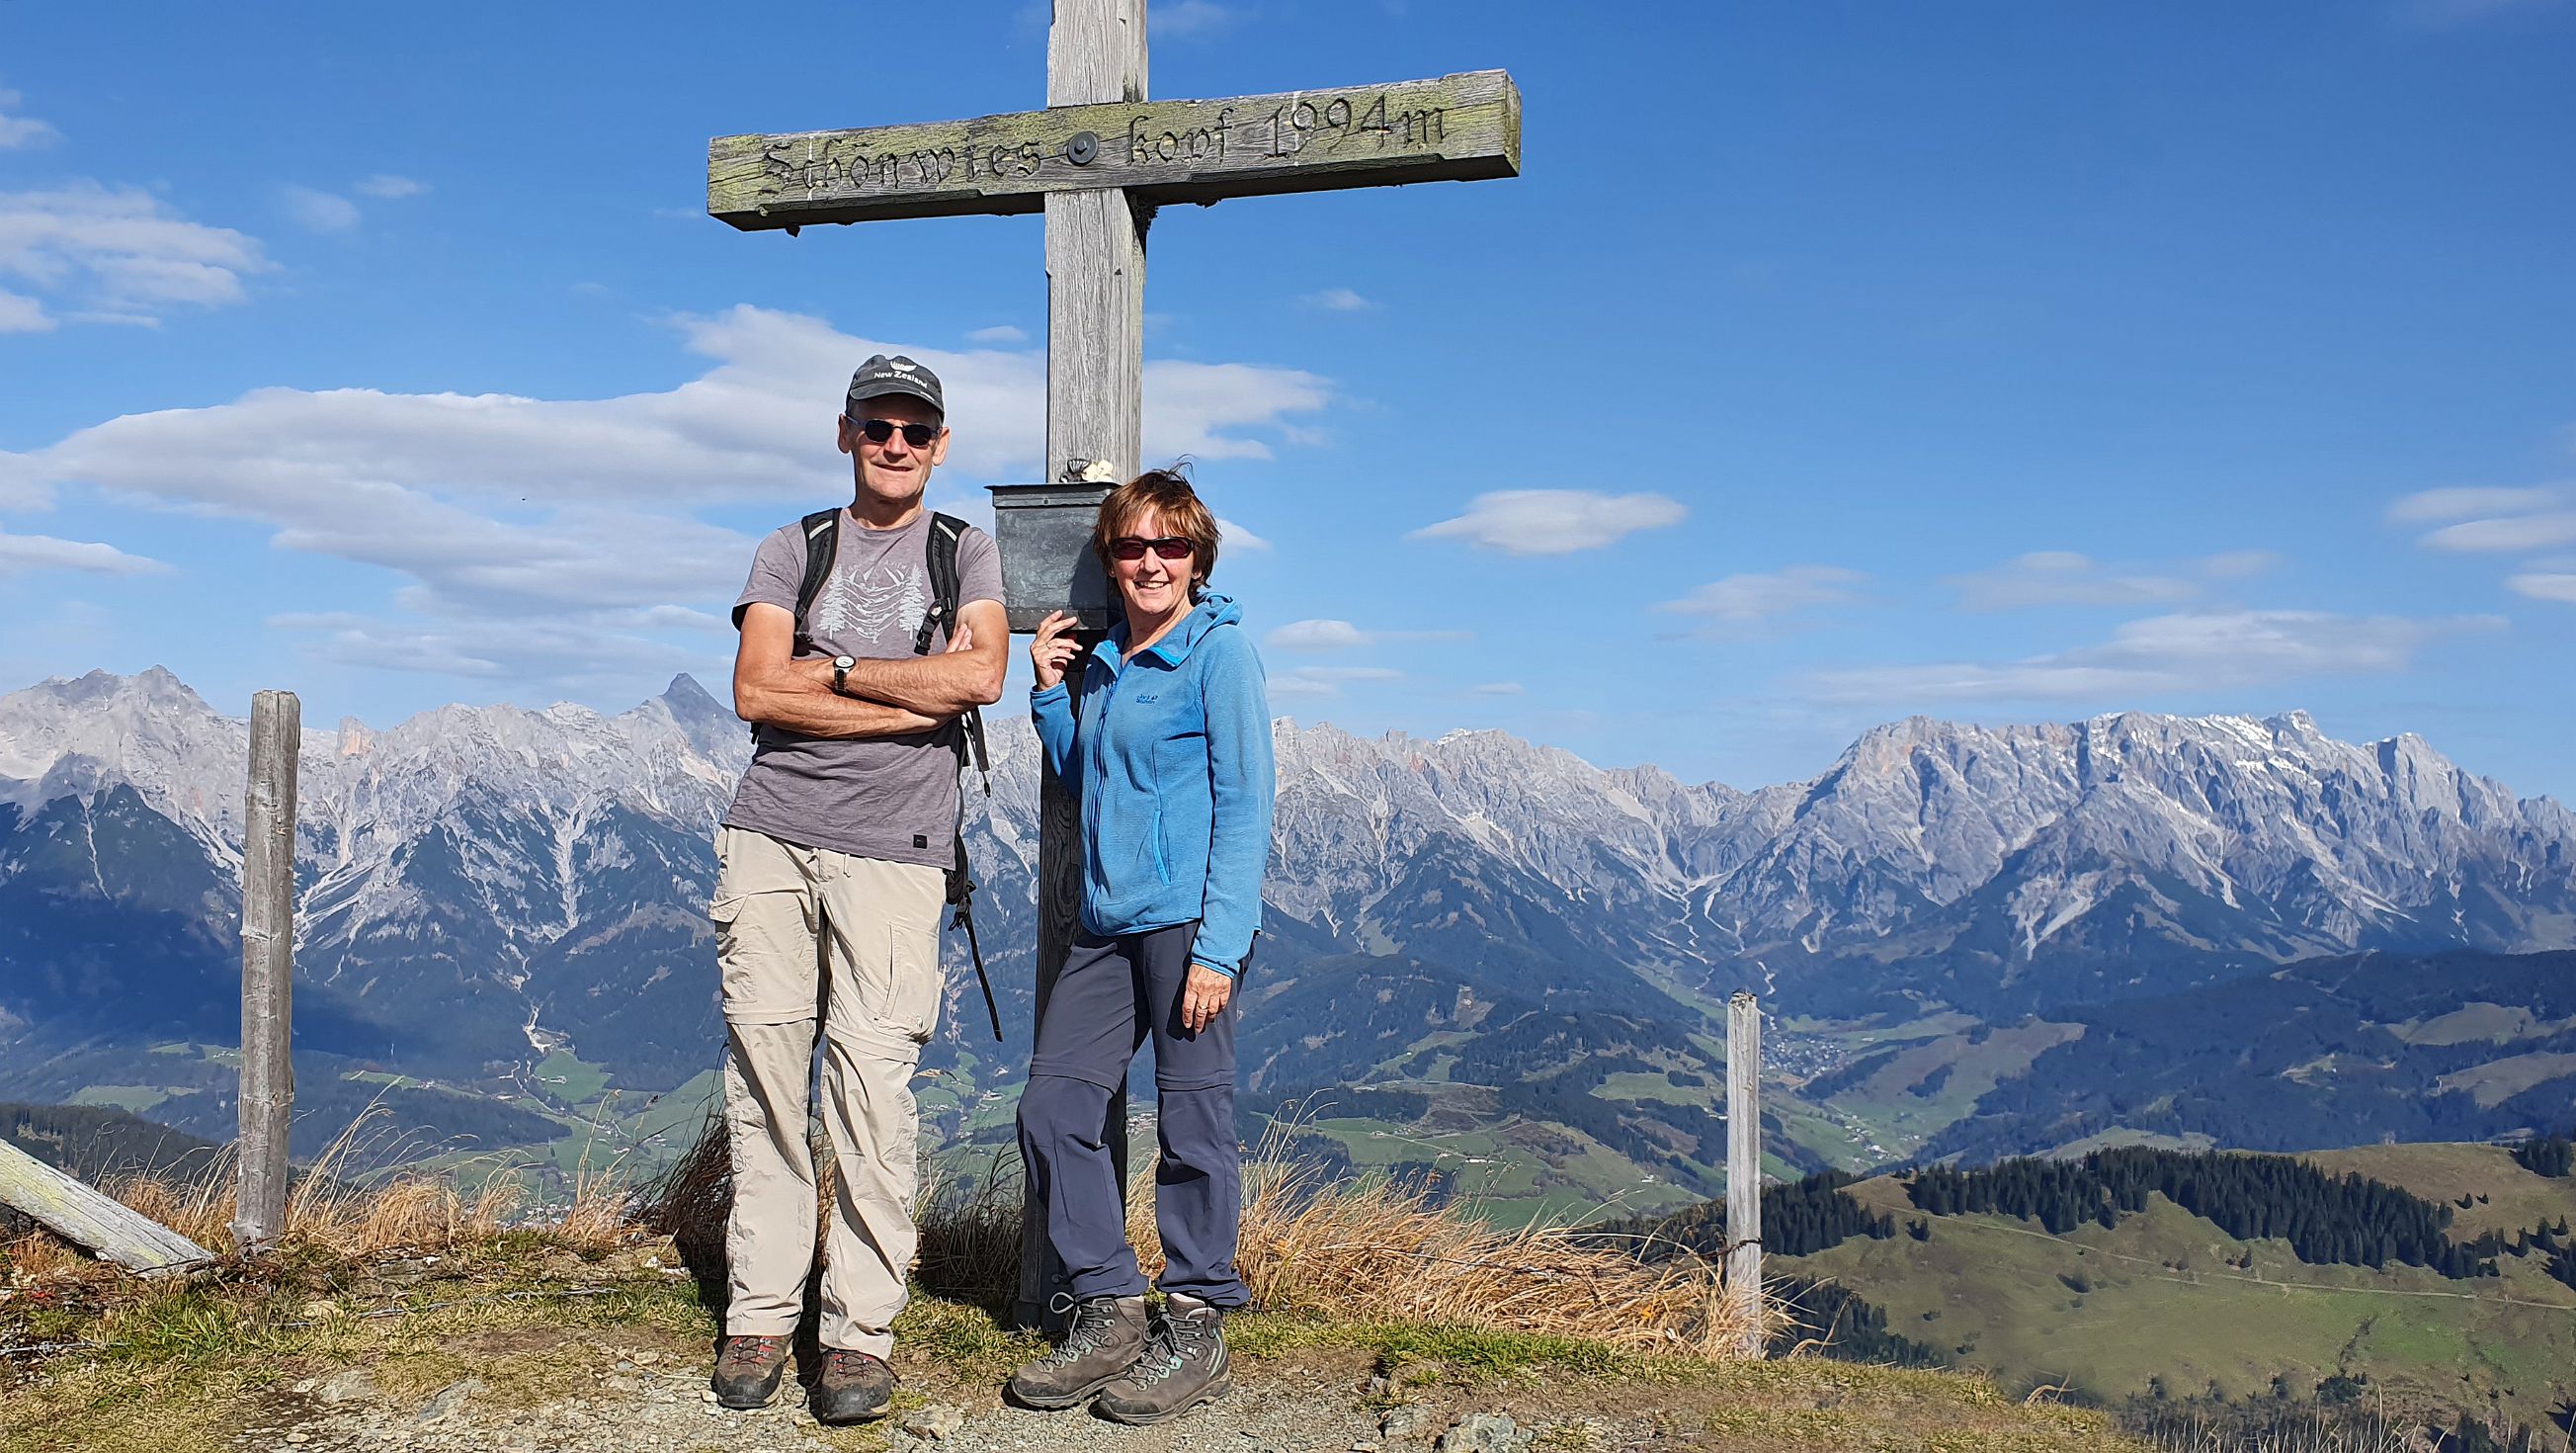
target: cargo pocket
909 1007
733 966
766 975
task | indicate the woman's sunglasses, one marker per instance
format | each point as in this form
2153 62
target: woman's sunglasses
1131 547
880 430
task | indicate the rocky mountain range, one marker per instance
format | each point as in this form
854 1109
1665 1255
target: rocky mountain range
481 886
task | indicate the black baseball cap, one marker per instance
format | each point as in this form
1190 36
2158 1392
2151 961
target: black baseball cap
881 376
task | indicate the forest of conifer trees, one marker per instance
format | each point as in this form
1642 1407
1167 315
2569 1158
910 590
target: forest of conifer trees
2326 1219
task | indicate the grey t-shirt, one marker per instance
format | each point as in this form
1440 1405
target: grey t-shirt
893 798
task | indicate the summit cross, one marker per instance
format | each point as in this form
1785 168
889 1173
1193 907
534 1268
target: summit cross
1099 160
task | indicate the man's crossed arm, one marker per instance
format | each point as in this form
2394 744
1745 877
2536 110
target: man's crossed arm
885 698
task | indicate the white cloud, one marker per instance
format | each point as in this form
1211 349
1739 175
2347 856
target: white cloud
580 513
756 426
1339 300
18 133
317 211
2167 654
1174 19
1190 406
2062 577
1232 536
2545 530
1554 521
2515 520
1499 688
565 653
2239 564
23 553
1349 673
1327 680
1317 635
2494 520
999 333
1332 635
389 186
22 314
1743 600
2460 503
119 253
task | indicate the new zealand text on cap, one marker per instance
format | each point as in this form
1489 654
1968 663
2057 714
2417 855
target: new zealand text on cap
881 376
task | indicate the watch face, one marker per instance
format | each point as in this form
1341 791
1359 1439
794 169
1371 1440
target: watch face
844 663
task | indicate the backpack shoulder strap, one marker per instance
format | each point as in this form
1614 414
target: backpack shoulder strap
945 587
941 550
822 530
967 735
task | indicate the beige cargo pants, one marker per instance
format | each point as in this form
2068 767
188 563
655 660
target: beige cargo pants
801 930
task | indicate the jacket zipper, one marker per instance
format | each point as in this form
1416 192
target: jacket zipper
1100 760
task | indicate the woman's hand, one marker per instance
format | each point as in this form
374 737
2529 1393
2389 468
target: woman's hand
1203 996
1053 648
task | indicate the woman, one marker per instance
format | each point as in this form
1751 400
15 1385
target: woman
1166 738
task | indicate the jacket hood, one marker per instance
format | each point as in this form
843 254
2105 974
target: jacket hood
1212 611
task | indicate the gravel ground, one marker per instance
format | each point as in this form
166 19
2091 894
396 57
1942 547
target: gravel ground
647 1402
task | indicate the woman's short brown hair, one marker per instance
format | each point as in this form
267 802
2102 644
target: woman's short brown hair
1167 493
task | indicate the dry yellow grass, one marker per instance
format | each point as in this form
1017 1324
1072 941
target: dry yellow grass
1354 1250
1365 1250
344 1219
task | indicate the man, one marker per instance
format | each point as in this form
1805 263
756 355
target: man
833 871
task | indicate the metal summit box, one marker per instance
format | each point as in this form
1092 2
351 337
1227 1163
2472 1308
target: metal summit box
1044 531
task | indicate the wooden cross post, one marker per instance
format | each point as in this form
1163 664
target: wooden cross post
1098 161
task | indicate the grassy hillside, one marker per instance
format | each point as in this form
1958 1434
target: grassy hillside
420 1313
2164 1303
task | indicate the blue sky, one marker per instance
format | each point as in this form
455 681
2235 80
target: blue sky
1828 362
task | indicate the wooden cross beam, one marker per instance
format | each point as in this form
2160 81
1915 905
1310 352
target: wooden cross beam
1454 129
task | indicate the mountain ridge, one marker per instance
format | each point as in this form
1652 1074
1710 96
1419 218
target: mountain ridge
483 887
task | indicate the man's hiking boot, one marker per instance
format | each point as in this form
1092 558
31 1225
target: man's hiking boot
1184 1365
1106 1335
854 1387
748 1369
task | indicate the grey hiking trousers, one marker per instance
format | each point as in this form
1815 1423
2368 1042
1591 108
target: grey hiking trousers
1114 993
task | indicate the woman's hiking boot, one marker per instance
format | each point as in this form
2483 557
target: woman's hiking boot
748 1370
854 1387
1105 1337
1183 1366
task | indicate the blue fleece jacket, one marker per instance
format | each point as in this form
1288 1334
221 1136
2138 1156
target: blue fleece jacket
1169 752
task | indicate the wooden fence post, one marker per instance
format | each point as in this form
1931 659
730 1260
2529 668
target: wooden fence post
268 970
1744 1165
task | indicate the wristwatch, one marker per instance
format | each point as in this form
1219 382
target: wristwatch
841 674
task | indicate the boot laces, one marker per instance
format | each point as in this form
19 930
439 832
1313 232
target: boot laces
844 1363
1177 1340
747 1349
1089 1333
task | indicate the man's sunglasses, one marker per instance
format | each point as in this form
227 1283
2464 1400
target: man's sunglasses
1132 547
880 430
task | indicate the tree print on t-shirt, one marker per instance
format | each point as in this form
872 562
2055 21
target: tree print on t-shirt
886 599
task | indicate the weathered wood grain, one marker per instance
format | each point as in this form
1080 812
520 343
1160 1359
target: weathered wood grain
268 969
1744 1165
1095 258
90 1220
1463 127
